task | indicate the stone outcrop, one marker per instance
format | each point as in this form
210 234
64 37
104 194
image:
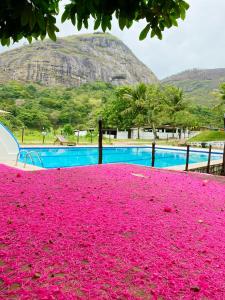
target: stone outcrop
74 60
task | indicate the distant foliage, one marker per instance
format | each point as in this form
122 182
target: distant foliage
147 105
222 92
35 106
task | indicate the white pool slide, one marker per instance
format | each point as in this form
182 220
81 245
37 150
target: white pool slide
9 147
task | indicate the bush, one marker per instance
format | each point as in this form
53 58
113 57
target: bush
68 129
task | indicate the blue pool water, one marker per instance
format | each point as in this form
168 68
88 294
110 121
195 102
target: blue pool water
81 156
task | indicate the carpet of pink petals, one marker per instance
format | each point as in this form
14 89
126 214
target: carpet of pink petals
111 232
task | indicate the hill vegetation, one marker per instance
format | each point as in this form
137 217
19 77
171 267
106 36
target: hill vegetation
35 106
199 86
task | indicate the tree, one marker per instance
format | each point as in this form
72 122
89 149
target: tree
154 107
68 129
137 106
36 18
146 105
176 106
185 119
221 95
222 92
135 97
112 110
34 119
218 109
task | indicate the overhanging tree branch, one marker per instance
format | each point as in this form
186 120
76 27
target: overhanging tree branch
33 19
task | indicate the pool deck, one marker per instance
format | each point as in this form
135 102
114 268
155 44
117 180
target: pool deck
175 168
20 166
194 166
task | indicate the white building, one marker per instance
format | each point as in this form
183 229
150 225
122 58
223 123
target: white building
163 132
145 133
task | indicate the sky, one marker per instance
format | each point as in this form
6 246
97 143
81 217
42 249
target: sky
198 42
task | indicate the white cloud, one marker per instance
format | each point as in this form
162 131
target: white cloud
198 42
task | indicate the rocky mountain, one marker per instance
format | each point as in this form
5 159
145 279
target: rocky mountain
199 84
74 60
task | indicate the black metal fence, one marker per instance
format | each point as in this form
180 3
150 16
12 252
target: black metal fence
205 169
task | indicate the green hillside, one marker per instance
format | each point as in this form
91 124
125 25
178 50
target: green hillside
199 85
208 136
35 106
199 91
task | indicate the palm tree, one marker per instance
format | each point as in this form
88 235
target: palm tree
133 98
174 100
144 103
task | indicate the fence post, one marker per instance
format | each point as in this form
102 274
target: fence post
153 154
209 159
78 136
109 136
23 135
223 168
187 158
100 141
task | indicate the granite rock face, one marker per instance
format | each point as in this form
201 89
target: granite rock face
74 60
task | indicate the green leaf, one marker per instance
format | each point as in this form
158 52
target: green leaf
182 13
174 22
129 24
35 35
97 23
43 35
51 33
65 16
104 24
122 22
29 38
109 25
79 25
73 19
185 5
153 33
144 32
41 21
158 33
85 23
5 41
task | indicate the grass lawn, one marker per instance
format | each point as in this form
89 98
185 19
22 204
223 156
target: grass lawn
208 136
111 232
34 137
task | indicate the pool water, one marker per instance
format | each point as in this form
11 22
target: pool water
82 156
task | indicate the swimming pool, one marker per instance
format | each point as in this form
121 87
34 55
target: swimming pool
63 157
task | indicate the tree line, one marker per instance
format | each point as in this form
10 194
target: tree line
74 108
156 105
